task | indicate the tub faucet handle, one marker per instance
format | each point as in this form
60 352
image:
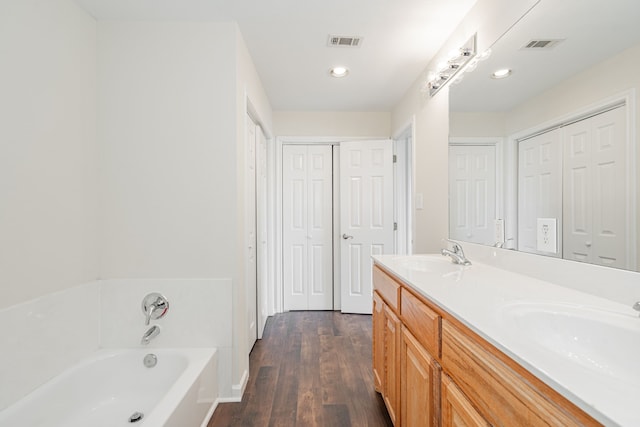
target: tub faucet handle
154 306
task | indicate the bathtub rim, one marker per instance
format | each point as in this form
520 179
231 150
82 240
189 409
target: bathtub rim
197 361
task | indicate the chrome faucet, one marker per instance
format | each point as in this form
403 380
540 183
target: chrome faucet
456 253
154 306
636 306
151 333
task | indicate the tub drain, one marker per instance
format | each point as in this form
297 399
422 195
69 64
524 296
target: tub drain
135 417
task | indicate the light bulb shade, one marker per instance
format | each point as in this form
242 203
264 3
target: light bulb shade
339 72
501 74
447 70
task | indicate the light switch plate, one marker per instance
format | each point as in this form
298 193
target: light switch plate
546 235
419 201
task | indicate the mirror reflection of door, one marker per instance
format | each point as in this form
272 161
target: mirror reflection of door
594 187
576 174
472 193
539 189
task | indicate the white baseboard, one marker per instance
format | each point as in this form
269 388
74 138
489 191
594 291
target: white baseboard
212 409
237 390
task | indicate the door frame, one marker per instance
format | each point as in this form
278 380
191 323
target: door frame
404 177
264 284
278 300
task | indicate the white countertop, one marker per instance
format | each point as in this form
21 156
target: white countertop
484 297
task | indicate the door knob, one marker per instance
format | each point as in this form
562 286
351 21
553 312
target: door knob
346 237
587 244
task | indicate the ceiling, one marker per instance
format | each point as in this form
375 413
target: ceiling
287 40
590 30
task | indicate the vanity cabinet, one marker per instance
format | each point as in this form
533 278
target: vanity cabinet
457 410
386 342
434 371
392 364
419 384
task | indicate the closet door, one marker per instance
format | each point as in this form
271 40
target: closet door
594 190
307 227
539 188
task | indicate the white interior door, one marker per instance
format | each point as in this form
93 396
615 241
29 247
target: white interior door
539 188
307 227
594 190
250 230
262 231
472 193
366 217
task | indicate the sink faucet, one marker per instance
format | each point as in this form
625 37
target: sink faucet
636 306
456 254
151 333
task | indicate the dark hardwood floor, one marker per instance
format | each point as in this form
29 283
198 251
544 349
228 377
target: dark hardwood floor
311 368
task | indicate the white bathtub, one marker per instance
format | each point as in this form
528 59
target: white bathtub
105 390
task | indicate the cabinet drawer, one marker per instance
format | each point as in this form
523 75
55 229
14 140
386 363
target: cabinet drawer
503 395
387 287
423 322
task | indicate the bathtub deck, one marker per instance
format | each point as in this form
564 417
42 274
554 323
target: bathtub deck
311 368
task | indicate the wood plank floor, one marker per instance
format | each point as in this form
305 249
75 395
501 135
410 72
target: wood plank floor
312 368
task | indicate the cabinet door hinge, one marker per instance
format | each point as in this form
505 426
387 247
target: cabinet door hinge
395 226
395 158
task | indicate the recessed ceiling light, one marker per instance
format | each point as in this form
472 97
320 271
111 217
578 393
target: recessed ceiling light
338 72
501 74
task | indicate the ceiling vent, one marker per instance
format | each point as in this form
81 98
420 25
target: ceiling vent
344 41
542 44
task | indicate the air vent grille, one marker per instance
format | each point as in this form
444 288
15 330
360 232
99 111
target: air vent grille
541 44
344 41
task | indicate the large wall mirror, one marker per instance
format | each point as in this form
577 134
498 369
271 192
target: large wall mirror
545 160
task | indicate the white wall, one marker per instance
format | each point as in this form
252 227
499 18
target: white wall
172 103
47 148
489 19
167 138
476 124
332 123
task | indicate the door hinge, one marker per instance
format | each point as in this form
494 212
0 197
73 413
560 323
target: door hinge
395 158
395 226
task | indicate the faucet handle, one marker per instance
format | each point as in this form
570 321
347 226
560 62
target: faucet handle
636 306
454 245
154 306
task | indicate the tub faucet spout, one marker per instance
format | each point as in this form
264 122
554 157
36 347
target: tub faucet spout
151 333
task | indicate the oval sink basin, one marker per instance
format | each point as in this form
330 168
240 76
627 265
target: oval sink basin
427 263
601 341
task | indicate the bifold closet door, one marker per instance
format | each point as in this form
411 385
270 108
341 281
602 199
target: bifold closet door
307 227
539 188
594 202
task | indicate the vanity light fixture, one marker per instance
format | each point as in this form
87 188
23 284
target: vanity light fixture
447 69
501 74
338 72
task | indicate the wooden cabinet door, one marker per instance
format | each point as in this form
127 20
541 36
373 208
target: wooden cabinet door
457 411
419 384
378 342
392 364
